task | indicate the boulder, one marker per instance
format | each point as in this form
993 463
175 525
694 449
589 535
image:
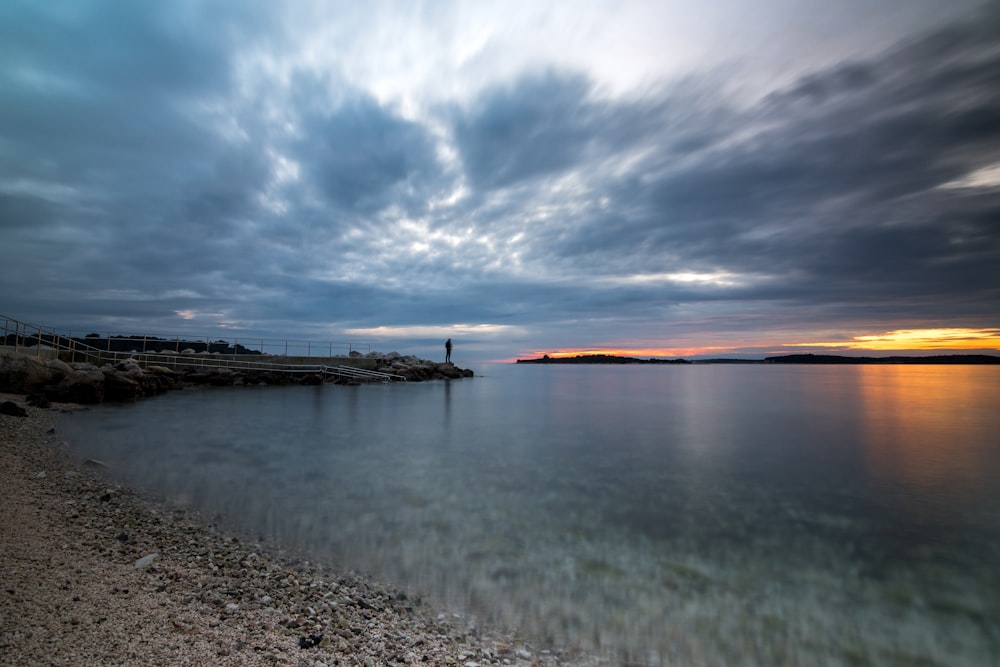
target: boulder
158 379
26 375
129 365
221 378
59 367
83 366
82 386
198 377
448 371
120 387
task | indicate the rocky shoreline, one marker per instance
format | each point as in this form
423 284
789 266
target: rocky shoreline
55 381
93 573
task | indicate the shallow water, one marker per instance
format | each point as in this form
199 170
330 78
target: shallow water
759 515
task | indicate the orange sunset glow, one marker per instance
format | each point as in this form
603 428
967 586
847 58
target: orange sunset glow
942 339
919 339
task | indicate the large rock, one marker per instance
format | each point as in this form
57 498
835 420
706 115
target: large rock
119 387
158 379
130 366
59 367
448 371
25 375
83 366
415 369
82 386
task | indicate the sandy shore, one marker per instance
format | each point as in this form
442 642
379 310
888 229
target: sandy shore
79 584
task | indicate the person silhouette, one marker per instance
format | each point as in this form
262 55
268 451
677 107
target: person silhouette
447 351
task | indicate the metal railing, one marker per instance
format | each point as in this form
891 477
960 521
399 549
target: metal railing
29 337
23 334
362 374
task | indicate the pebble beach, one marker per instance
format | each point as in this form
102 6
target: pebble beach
93 573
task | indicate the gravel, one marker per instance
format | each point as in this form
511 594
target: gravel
92 573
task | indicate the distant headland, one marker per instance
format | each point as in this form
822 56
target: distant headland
827 359
599 359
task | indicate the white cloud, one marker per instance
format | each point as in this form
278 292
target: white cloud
987 177
434 331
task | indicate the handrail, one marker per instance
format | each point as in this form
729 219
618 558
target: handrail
172 358
24 332
364 374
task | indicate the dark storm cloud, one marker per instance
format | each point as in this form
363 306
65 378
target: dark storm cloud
117 190
101 77
545 124
360 155
834 183
540 125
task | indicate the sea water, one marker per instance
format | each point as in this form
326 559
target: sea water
697 514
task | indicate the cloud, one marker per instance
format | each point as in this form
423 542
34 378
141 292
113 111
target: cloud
834 183
200 164
360 155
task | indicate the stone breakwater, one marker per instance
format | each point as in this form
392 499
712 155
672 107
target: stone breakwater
45 382
92 573
415 369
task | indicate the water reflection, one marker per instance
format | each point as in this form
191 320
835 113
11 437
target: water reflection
931 436
447 404
713 514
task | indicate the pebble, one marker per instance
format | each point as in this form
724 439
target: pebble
209 593
145 561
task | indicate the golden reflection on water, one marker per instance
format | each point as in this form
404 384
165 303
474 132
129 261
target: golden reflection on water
932 432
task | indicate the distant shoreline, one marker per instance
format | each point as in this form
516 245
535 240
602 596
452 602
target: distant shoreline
815 359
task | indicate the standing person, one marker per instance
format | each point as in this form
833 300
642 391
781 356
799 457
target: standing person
447 351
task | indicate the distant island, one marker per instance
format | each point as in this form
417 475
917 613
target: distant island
974 359
599 359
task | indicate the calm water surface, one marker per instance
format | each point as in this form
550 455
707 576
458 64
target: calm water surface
704 515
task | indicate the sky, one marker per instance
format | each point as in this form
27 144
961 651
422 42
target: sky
668 178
